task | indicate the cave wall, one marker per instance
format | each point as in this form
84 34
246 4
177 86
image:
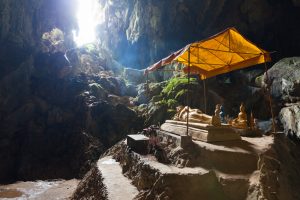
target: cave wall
22 26
56 125
55 118
139 33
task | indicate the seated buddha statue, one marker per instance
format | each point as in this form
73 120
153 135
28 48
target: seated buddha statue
195 115
241 120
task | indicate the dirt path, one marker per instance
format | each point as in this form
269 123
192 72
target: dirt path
118 186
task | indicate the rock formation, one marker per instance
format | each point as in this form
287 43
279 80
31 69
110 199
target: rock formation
208 171
61 106
139 33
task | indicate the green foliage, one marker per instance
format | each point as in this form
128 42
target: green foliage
174 83
53 40
171 96
172 103
180 94
54 37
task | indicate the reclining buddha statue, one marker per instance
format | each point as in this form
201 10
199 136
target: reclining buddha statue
241 120
196 115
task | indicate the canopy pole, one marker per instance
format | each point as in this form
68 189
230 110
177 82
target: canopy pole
188 90
204 95
270 98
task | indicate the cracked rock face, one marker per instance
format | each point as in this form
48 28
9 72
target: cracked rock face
285 79
290 118
139 33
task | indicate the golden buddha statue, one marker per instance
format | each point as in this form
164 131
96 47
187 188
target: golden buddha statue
195 115
241 120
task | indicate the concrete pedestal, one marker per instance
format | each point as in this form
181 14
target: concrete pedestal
202 132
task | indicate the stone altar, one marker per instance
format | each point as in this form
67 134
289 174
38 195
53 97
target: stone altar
201 131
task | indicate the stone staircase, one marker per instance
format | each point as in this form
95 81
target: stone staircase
118 187
223 171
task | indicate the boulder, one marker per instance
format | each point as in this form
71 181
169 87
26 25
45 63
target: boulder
290 119
284 78
134 75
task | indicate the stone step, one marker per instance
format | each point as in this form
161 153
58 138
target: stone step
117 185
232 157
150 161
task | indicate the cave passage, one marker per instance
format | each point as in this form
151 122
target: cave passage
89 15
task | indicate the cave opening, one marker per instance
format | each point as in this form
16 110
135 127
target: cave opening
90 14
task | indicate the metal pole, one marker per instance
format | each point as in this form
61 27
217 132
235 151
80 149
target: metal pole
188 90
204 93
270 98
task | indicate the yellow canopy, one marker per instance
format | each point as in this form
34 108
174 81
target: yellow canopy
219 54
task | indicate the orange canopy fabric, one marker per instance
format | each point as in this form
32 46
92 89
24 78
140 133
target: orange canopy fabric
219 54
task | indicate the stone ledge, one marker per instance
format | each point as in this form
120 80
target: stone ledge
202 132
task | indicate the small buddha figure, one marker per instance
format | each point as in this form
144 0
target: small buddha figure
195 115
253 123
216 120
241 120
222 114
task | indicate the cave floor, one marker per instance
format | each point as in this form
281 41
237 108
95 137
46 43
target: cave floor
39 190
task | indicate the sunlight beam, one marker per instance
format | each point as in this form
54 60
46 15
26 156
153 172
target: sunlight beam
89 15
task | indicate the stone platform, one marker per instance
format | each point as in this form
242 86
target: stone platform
200 131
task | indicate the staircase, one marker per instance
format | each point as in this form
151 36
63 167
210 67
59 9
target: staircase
118 187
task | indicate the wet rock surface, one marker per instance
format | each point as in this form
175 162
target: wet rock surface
42 190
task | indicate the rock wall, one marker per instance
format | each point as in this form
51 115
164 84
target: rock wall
139 33
285 90
55 119
22 26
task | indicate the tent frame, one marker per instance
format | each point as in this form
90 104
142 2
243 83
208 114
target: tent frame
205 101
189 63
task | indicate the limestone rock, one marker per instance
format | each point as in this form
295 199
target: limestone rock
290 118
134 76
285 79
141 33
91 186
